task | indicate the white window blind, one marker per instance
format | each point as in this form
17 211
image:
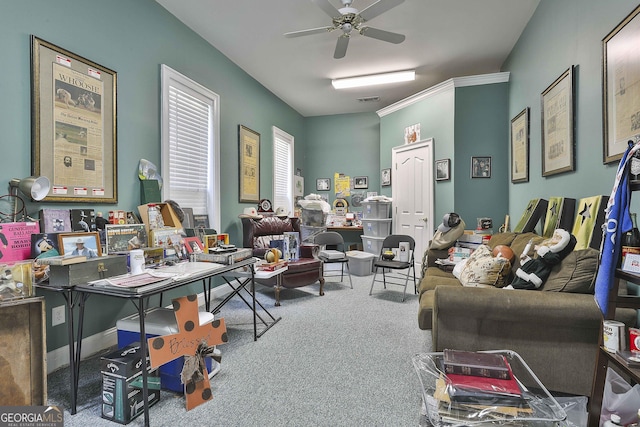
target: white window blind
190 150
282 170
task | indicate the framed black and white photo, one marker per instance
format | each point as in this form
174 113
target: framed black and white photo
443 169
481 167
385 177
361 182
323 184
557 125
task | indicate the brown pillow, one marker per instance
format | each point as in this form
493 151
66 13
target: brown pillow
574 274
483 270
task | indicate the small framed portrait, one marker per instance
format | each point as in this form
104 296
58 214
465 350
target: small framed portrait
361 182
481 167
385 177
323 184
193 245
80 244
443 170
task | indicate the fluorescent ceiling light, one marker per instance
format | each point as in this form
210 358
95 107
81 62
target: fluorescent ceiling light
374 79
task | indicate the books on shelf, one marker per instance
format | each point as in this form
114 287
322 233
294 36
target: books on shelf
480 364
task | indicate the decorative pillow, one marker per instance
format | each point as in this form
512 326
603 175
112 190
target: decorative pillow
446 240
483 270
574 274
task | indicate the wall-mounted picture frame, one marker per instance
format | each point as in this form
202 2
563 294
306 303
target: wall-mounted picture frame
520 147
557 125
323 184
443 170
249 155
73 125
361 182
480 167
621 94
412 134
74 244
385 177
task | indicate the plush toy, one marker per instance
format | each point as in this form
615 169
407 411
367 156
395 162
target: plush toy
534 271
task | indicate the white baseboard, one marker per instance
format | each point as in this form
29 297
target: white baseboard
97 343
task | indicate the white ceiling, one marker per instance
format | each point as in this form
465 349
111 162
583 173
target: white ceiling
444 39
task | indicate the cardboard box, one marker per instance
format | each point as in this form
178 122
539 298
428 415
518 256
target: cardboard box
122 384
169 217
91 269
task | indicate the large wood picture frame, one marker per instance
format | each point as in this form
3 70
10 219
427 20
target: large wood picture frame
621 87
520 147
249 155
557 126
73 125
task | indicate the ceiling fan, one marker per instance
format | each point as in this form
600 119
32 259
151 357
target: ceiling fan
348 19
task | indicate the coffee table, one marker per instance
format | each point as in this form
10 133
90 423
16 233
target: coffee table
541 408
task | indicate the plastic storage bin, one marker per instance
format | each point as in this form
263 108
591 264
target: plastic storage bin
376 227
159 321
308 233
360 263
373 245
313 217
376 210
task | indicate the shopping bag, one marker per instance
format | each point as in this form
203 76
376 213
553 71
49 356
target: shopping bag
619 398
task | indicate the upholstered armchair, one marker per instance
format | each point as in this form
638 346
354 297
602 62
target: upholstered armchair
257 234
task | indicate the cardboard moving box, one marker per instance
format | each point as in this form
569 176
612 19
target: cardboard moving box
169 216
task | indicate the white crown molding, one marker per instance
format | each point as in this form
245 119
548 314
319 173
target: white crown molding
482 79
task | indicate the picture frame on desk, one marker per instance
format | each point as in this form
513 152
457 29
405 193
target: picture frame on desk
68 243
193 245
73 104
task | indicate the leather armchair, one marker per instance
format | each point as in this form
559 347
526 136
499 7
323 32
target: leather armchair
258 233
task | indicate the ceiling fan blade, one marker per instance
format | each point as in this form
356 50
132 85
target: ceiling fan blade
309 32
385 36
378 8
341 46
328 8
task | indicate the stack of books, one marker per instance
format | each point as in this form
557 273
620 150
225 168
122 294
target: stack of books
474 382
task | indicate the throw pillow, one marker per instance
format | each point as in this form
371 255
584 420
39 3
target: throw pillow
483 270
446 240
574 274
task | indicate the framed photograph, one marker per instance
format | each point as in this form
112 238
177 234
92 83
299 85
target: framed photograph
621 94
443 170
481 167
249 144
412 134
323 184
557 125
193 245
200 221
520 147
210 241
73 244
385 177
361 182
73 125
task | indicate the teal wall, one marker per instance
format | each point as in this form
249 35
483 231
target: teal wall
561 34
133 38
346 143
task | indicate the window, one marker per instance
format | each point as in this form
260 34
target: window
190 145
282 170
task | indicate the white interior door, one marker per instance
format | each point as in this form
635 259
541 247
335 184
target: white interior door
412 192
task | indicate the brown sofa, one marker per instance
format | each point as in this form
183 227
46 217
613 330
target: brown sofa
555 329
258 233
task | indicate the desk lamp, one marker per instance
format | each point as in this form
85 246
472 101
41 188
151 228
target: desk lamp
37 187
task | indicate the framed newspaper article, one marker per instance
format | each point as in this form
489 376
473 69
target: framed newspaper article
621 87
520 147
249 165
73 125
557 126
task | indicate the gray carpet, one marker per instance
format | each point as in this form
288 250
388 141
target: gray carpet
343 359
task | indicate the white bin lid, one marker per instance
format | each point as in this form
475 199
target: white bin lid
360 255
160 321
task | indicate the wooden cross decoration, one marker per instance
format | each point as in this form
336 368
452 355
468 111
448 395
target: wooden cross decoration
189 341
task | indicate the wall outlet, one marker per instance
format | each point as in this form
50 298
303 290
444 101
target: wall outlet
57 315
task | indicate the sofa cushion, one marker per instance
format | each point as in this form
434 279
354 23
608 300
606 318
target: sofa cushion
482 269
574 274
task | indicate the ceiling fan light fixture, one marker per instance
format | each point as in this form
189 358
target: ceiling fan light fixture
374 79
